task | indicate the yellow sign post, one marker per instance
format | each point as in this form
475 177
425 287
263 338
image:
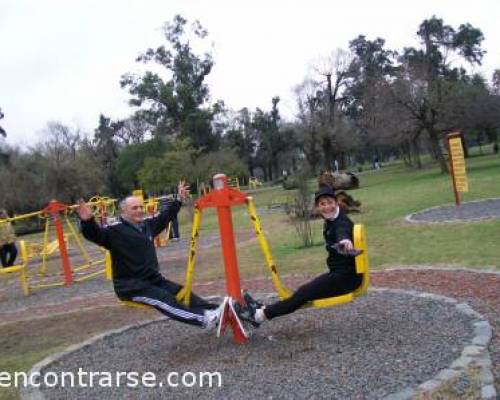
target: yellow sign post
457 165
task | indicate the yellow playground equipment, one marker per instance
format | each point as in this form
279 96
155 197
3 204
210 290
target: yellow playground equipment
234 183
253 182
20 268
362 265
49 247
103 207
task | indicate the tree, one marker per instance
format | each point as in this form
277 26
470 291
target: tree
272 141
428 72
176 105
131 159
159 173
220 161
308 123
106 148
336 72
132 130
241 136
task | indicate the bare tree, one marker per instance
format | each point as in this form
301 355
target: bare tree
335 73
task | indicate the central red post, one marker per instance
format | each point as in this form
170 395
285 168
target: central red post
54 208
223 198
229 252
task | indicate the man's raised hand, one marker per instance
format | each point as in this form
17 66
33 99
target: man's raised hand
183 190
84 211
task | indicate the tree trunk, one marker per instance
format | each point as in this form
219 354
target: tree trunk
328 153
416 152
404 155
434 139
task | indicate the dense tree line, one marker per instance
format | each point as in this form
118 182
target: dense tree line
356 104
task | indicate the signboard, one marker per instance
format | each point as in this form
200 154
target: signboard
457 165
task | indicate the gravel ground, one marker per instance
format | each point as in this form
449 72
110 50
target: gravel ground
471 211
377 345
478 289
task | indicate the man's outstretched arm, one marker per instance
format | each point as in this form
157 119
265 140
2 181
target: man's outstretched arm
160 222
90 230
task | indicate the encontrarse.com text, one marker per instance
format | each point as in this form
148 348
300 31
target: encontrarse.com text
109 379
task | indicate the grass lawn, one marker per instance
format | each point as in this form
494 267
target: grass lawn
387 197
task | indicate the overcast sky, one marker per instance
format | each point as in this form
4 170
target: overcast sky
62 60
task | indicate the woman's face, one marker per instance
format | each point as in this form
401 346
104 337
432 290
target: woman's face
327 206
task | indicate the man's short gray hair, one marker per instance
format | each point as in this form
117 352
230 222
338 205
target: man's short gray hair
122 205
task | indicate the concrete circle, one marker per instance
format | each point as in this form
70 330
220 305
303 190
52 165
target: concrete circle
471 211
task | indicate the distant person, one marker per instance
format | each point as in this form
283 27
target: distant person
8 249
336 165
136 275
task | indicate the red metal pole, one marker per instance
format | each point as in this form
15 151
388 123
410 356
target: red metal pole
54 208
229 253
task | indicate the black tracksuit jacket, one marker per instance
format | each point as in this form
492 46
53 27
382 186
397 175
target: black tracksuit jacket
135 265
334 231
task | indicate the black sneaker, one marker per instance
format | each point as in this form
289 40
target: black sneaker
246 314
342 251
251 302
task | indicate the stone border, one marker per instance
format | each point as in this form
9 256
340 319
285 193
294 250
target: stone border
409 217
475 355
34 393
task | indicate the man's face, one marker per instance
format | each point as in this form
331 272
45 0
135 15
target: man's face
327 206
134 210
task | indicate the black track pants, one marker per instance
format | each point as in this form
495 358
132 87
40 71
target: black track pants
161 295
326 285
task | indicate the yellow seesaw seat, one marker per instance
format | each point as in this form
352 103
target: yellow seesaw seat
362 268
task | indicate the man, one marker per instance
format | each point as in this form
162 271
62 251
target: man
341 278
136 275
8 249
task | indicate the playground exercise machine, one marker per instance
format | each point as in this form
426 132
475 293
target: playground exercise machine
56 215
223 197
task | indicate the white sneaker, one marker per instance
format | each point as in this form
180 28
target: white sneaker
212 317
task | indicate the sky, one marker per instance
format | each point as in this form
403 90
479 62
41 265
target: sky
62 60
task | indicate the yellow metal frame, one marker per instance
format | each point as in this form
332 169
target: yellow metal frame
253 182
20 268
184 295
362 265
283 292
